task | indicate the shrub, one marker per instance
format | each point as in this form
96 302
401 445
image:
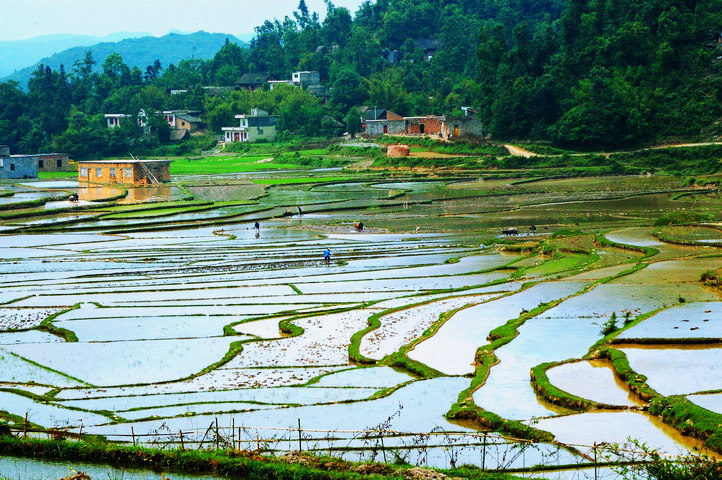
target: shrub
682 218
610 326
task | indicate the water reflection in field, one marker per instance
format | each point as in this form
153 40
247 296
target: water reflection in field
206 320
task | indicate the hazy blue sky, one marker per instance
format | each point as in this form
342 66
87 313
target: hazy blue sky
31 18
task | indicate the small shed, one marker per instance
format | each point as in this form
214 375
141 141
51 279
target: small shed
18 166
53 162
133 172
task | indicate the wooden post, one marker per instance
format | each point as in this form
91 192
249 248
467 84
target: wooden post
383 448
205 435
25 426
181 440
218 439
299 436
595 460
483 453
233 433
132 434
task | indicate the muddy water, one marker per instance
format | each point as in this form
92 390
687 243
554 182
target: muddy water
617 427
678 370
593 380
163 298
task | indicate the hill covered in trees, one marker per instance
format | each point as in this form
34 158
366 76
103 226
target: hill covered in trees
136 52
17 54
587 73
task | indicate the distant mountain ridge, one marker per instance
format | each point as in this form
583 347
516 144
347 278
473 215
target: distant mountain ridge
140 52
18 54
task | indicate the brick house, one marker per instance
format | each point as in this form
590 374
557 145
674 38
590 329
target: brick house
258 126
377 122
427 125
135 172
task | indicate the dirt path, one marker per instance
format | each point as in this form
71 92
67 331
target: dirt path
677 145
519 152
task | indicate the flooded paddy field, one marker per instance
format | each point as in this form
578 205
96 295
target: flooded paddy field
160 313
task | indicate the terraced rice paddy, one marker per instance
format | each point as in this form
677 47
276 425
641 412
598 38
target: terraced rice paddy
184 317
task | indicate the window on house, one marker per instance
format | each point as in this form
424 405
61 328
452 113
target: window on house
12 166
59 163
421 128
41 164
183 124
98 172
112 172
127 173
84 172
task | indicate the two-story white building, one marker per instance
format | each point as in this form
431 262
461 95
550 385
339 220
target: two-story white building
257 126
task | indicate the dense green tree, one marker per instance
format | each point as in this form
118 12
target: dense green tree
578 72
347 89
12 108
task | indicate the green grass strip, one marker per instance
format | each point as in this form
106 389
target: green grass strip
545 389
647 252
47 325
690 419
219 463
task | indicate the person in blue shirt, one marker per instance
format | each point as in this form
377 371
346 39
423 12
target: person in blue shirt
327 256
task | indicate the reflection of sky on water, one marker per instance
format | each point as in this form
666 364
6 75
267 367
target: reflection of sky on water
190 283
591 380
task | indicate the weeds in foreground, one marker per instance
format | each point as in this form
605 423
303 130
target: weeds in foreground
647 463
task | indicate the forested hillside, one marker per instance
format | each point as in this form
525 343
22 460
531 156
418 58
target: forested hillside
18 54
171 48
587 73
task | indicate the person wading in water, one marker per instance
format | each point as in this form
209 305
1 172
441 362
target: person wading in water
327 256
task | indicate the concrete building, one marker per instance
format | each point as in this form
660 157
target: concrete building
258 126
306 78
18 166
183 119
463 127
28 166
377 122
134 172
273 83
53 162
113 120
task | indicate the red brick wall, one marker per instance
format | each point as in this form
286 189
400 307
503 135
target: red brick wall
432 125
